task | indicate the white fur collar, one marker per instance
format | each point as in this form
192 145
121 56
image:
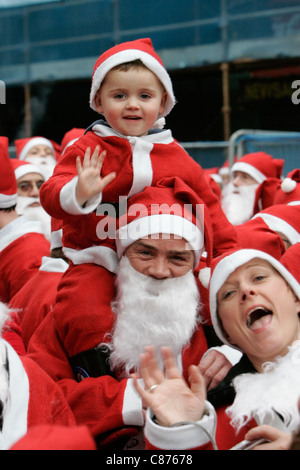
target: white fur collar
277 389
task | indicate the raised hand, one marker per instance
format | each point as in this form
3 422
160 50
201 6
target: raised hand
90 182
172 400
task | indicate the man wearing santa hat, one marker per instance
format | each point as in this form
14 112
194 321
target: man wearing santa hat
155 299
22 242
40 151
255 178
29 180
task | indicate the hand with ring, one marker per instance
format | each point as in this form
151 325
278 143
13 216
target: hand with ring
166 393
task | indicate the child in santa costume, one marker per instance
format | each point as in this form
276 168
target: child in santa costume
22 242
137 155
98 350
254 304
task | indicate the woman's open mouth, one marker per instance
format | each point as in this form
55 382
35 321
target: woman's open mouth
258 318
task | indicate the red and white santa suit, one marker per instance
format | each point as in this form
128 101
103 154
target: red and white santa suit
22 246
108 404
270 397
37 297
28 395
22 243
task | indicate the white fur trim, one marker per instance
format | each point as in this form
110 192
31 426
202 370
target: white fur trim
160 223
69 202
28 168
275 390
204 276
288 185
132 410
15 416
56 239
32 143
101 255
128 56
279 225
141 165
293 203
17 228
8 200
227 266
53 265
250 170
181 437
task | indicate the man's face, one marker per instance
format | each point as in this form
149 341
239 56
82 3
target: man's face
161 256
240 178
29 185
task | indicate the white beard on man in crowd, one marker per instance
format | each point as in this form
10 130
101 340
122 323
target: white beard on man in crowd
32 209
151 312
238 202
45 164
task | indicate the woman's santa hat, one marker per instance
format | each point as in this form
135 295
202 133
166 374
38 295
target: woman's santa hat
141 49
283 219
24 145
8 183
260 166
170 207
289 190
22 168
223 266
256 234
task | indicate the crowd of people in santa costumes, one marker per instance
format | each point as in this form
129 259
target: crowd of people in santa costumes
116 240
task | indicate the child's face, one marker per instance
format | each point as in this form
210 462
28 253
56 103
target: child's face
131 100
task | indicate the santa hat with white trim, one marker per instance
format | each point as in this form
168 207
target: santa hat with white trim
22 168
283 219
225 265
291 260
259 165
141 49
8 183
24 145
170 207
289 190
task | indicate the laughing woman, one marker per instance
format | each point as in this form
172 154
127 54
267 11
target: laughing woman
254 304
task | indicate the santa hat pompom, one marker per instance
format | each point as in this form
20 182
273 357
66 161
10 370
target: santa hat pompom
288 185
204 276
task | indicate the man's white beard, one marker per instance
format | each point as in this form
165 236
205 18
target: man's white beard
151 312
34 213
238 203
45 164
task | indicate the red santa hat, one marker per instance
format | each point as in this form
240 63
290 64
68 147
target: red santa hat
24 145
256 234
260 166
170 207
70 137
223 266
291 260
22 168
141 49
289 190
8 183
283 219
